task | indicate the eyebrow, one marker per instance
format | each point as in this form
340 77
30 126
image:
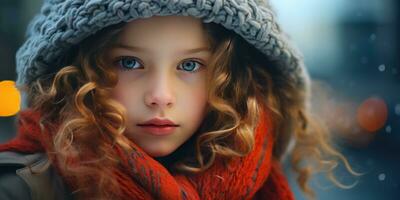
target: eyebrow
136 48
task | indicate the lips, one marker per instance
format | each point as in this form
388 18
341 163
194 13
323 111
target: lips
158 122
159 127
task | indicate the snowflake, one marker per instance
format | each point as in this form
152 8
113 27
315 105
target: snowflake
388 129
382 67
397 109
382 177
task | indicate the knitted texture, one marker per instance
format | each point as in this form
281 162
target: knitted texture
255 176
64 23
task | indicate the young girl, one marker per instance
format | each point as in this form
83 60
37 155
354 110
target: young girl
161 100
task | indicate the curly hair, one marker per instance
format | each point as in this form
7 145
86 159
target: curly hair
77 95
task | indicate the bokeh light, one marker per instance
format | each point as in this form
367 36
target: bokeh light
10 99
372 114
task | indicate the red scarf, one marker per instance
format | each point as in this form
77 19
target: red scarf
255 176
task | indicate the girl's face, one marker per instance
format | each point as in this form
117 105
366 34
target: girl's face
161 64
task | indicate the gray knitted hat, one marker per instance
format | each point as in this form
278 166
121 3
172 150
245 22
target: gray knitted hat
64 23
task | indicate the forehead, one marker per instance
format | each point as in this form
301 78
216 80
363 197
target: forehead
159 31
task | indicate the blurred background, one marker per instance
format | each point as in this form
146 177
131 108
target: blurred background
351 49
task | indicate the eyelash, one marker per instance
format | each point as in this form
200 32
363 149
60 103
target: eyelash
116 62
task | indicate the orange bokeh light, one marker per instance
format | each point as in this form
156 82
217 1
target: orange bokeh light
10 99
372 114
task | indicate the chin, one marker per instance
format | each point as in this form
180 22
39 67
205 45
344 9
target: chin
160 152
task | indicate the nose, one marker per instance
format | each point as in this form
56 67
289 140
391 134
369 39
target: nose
160 93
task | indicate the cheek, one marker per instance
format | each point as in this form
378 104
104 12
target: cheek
118 93
124 95
195 92
195 99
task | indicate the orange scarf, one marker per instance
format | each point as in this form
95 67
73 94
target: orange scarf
255 176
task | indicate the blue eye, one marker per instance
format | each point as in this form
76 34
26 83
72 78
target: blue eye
128 63
190 65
